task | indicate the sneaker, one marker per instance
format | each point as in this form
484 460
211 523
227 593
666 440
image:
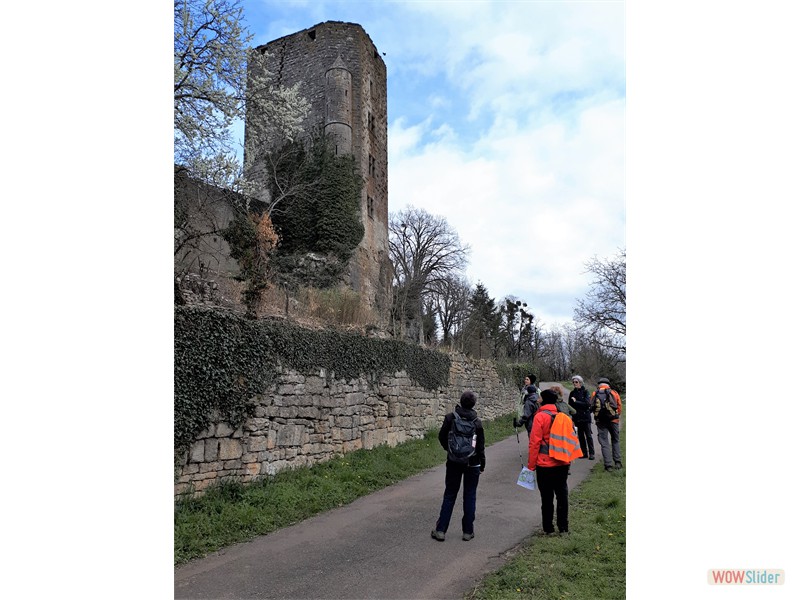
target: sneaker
619 465
437 535
591 457
468 536
609 468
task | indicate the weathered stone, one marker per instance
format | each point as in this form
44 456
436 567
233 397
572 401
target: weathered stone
197 452
298 429
211 450
229 448
256 444
290 435
224 430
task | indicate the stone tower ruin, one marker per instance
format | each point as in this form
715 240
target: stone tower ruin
343 76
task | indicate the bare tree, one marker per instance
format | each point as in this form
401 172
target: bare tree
425 250
602 312
450 298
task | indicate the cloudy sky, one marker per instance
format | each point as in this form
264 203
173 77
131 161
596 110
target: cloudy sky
507 119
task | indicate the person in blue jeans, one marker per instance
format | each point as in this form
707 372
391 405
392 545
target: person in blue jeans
457 468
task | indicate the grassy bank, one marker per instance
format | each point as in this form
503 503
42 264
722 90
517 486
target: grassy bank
587 563
231 512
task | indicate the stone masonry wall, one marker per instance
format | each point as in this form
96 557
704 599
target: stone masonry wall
304 419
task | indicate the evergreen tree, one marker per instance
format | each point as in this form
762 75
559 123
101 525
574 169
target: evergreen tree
483 324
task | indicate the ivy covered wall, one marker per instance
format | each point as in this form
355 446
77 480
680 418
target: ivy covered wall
255 397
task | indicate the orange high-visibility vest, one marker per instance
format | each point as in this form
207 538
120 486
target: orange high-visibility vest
564 444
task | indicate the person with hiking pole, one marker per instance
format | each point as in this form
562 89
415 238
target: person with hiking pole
529 407
462 436
607 407
580 401
552 447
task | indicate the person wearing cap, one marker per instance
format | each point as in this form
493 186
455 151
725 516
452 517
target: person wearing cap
579 400
454 472
607 426
551 473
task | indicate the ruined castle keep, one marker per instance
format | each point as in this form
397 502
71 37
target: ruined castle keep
343 76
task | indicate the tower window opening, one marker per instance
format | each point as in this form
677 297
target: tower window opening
312 34
370 207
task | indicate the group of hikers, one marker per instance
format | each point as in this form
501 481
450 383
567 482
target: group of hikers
553 442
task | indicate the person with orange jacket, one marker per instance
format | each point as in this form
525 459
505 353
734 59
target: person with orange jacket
607 407
551 473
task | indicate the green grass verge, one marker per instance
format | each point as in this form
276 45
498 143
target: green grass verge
587 563
231 512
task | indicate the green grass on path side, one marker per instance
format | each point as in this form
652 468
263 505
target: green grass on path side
231 512
587 563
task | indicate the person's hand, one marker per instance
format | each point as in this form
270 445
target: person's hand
517 423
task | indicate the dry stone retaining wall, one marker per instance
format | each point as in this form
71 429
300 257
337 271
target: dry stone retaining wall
303 419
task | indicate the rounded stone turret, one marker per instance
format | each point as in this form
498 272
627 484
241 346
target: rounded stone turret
339 106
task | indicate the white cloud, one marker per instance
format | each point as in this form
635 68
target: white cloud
507 119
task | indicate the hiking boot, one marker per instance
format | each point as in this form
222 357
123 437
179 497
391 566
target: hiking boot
609 468
437 535
467 536
619 465
591 457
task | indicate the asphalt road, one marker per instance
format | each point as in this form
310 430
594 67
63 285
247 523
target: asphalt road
380 545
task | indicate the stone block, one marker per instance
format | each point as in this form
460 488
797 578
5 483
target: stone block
197 452
308 412
256 443
230 449
224 430
211 450
257 425
315 386
290 435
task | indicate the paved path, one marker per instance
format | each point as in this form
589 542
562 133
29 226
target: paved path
380 546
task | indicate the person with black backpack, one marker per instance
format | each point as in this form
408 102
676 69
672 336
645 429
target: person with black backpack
607 407
461 435
580 401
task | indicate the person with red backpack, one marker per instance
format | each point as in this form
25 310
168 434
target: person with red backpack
607 408
552 447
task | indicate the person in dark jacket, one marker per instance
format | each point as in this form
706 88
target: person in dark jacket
580 400
530 405
454 471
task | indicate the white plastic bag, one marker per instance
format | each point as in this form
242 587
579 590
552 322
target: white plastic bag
527 479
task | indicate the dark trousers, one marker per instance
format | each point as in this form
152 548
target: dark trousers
553 481
585 438
452 483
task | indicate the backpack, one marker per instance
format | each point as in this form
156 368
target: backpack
608 405
461 440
